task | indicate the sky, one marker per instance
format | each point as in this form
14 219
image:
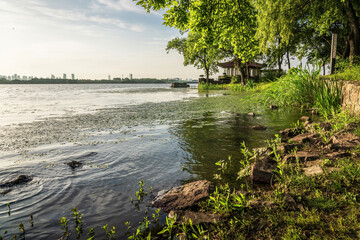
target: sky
89 38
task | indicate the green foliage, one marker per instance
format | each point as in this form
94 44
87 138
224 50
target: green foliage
347 74
203 57
304 88
229 25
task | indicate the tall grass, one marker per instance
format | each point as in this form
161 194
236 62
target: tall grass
305 88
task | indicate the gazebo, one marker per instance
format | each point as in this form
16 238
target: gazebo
250 69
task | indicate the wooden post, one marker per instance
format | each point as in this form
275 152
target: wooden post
333 53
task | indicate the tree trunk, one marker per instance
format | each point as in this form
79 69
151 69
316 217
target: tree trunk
240 68
354 37
323 65
279 64
288 58
346 50
207 74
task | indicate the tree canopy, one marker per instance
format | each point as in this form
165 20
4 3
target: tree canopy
276 28
203 57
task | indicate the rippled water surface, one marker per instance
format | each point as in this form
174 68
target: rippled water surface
121 134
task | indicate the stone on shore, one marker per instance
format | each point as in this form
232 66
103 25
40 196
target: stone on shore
196 217
304 138
182 197
262 170
305 119
314 170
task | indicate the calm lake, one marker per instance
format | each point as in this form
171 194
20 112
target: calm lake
122 134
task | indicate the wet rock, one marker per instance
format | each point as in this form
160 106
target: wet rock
314 170
273 107
18 180
183 197
303 156
262 170
251 114
305 138
6 191
196 217
258 127
305 119
74 164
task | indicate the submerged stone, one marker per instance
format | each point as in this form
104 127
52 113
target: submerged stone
258 127
74 164
16 181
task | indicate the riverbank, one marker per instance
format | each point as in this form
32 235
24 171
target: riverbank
304 185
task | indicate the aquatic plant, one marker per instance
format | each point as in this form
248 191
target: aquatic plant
304 87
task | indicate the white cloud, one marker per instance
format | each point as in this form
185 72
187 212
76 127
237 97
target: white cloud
37 9
122 5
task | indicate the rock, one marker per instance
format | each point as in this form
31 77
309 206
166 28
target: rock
289 199
290 132
304 138
302 156
6 191
74 164
258 127
305 119
182 197
314 170
18 180
288 148
196 217
340 154
251 114
262 170
273 107
256 203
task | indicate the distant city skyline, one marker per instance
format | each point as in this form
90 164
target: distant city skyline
91 39
64 76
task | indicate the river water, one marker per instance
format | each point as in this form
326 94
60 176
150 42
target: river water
122 134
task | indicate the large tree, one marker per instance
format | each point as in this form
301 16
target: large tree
277 19
227 24
203 57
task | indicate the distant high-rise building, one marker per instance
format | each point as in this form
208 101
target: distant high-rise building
130 76
64 76
52 76
73 76
109 77
25 78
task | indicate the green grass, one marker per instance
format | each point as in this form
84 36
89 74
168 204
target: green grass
348 74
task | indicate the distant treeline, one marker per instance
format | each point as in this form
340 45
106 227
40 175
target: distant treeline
86 81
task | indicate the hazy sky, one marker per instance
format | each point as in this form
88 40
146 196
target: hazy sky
90 38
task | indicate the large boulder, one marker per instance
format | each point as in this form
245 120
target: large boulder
182 197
